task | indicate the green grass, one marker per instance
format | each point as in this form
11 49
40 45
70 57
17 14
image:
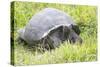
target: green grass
84 16
65 53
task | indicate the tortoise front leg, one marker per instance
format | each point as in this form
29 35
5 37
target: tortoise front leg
55 39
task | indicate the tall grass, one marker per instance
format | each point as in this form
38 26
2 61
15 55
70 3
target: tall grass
84 16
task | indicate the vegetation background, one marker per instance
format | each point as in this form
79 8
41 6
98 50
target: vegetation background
85 17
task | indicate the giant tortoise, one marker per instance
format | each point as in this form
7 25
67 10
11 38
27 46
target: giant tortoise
50 27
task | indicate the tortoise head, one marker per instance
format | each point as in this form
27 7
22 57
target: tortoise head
74 37
73 34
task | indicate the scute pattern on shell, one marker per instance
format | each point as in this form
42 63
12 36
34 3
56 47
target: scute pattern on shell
46 20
